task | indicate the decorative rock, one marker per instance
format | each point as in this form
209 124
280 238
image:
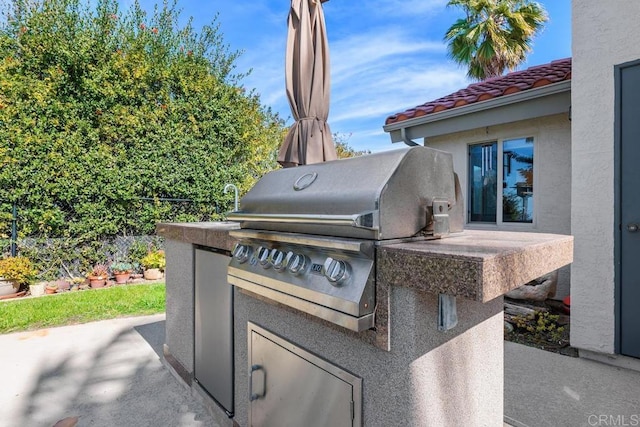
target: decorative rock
518 310
537 290
508 327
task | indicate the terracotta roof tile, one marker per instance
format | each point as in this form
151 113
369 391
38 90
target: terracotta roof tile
518 81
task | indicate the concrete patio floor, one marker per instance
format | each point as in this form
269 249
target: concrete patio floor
110 373
548 389
107 373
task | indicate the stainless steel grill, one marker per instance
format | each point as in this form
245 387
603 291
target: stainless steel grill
309 234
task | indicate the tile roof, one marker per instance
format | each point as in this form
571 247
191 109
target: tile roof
518 81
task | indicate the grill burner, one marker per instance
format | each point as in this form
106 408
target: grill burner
309 234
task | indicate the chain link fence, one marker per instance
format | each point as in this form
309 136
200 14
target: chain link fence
74 256
69 258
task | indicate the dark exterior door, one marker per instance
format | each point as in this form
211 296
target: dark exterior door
628 146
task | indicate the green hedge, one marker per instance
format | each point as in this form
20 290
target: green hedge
103 113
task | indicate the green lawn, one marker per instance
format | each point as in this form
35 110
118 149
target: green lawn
81 307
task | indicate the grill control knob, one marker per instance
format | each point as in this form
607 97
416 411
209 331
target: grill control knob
263 257
297 263
336 271
241 252
277 260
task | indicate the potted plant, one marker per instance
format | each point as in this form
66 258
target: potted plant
51 288
136 273
76 282
15 272
121 271
98 276
153 263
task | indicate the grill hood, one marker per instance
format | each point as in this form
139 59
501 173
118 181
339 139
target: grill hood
386 195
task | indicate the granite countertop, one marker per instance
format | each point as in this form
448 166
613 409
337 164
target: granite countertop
475 264
211 234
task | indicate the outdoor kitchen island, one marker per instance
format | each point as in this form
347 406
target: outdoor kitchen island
409 370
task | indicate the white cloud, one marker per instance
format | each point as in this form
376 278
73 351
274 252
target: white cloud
375 72
399 90
385 9
379 73
267 76
360 108
364 50
409 7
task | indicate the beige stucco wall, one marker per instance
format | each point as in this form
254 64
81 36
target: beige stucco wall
552 172
604 34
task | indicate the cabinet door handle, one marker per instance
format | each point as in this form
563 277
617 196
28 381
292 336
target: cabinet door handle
632 228
255 396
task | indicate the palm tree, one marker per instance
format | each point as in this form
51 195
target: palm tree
495 36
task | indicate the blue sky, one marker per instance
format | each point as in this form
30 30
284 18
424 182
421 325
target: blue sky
386 55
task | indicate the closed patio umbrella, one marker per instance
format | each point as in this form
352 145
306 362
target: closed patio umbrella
307 80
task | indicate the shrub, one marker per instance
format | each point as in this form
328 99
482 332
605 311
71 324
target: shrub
121 267
104 114
17 269
100 271
137 251
542 325
154 259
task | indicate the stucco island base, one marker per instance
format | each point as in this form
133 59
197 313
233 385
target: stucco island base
413 374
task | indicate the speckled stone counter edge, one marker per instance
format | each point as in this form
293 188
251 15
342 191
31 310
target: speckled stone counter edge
478 265
210 234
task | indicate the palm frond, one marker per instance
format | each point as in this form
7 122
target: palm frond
495 35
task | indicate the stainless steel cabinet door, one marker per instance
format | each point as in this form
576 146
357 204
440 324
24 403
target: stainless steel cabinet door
291 387
214 327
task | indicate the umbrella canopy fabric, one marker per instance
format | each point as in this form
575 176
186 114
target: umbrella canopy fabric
308 85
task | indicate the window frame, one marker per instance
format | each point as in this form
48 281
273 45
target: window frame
500 178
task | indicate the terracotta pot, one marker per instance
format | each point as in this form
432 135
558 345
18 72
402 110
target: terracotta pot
63 284
15 295
152 274
97 281
121 278
7 287
49 291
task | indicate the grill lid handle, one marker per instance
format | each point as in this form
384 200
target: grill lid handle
366 220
